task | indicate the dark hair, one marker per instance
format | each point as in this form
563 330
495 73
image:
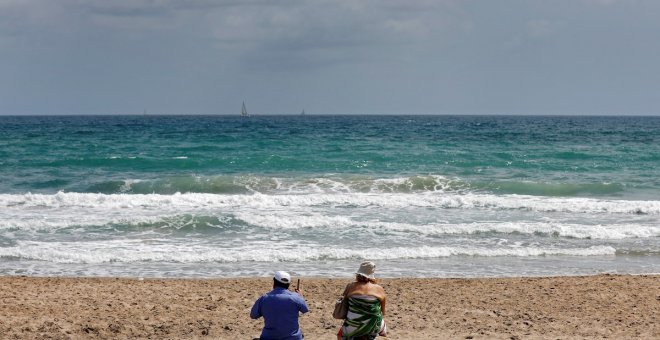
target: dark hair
280 284
364 279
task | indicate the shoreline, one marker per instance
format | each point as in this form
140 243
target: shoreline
620 306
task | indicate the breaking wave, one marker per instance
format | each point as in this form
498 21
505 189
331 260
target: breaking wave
346 184
200 201
134 251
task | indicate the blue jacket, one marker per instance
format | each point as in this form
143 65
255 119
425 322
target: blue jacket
280 308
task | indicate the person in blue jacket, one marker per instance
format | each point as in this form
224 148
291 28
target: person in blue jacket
280 308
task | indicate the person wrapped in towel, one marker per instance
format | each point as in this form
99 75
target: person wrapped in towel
366 307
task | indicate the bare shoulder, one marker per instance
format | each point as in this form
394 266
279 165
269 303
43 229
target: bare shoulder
380 289
349 288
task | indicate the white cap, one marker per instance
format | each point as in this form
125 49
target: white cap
283 277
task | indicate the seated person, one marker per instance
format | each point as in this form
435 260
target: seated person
366 307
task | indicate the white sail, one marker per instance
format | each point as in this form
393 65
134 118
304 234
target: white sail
244 112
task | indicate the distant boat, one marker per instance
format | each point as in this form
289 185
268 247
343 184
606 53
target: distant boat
302 113
244 112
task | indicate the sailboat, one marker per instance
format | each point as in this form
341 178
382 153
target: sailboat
302 113
244 112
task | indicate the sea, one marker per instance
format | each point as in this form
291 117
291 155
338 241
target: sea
420 196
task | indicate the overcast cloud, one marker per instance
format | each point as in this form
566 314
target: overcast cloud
329 57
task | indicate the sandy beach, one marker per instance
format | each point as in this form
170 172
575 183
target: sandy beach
604 306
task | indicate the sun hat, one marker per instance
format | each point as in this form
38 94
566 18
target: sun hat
283 277
367 269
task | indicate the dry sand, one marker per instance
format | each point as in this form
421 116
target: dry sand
605 306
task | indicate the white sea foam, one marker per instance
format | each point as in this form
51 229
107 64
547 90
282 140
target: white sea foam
288 219
391 200
318 211
126 187
615 231
140 251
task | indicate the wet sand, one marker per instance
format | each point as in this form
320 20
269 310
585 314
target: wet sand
604 306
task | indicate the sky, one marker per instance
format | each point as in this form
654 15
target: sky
578 57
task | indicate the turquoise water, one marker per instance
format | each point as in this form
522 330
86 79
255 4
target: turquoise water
189 196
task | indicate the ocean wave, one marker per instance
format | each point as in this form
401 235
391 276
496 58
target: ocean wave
291 222
286 221
86 203
96 223
242 184
138 251
552 189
